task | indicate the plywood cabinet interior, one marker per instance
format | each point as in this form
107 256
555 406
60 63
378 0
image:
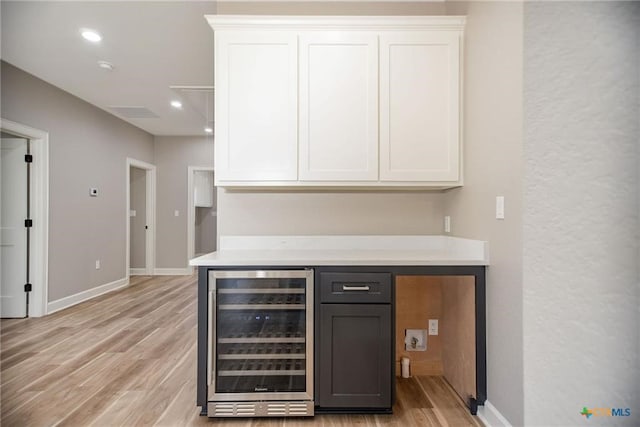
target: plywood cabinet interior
451 353
338 101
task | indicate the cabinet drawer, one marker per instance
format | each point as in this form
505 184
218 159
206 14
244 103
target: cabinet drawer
355 287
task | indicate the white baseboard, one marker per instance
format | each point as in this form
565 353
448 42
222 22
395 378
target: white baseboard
74 299
491 417
137 272
173 271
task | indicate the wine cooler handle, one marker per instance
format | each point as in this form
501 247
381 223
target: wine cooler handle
355 288
211 338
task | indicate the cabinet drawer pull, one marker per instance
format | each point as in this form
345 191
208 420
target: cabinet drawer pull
355 288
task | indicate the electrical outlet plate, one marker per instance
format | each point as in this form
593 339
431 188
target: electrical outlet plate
415 340
433 326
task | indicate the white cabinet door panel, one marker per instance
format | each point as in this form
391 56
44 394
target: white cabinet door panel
338 106
256 106
419 106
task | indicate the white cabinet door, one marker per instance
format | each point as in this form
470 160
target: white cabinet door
256 106
419 106
338 106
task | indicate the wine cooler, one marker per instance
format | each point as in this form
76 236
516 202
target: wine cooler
260 353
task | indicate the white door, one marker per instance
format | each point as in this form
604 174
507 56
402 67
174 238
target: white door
13 233
419 106
338 106
138 221
255 106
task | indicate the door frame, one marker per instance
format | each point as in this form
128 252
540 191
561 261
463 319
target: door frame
150 195
191 210
39 236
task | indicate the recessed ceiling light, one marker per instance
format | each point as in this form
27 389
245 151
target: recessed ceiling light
208 130
91 35
106 65
176 104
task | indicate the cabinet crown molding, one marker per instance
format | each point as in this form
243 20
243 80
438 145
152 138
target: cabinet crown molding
358 23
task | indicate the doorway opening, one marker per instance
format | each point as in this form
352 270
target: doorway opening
24 201
202 211
141 184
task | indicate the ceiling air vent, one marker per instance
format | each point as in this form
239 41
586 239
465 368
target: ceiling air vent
134 112
200 98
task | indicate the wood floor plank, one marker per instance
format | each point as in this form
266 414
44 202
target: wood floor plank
32 369
122 407
63 397
33 345
180 411
411 395
114 385
128 358
12 402
80 341
83 367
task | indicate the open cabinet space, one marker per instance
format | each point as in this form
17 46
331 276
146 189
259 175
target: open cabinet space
452 352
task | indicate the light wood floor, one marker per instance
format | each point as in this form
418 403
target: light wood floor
129 358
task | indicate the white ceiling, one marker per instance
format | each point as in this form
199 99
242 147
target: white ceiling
153 45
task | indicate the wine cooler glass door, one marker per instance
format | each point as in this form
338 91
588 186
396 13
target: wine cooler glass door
261 330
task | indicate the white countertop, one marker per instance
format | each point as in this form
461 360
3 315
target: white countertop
345 250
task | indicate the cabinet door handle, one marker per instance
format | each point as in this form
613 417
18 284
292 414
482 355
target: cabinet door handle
355 288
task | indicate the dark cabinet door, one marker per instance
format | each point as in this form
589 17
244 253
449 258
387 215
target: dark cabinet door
355 356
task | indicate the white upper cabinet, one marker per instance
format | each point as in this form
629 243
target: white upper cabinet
256 106
419 106
338 129
338 101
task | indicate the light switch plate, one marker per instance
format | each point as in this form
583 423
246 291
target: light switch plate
499 207
447 224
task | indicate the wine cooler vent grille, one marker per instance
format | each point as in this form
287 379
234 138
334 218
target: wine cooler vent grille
260 409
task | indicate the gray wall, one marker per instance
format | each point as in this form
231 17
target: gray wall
87 148
329 213
329 8
205 230
173 155
581 142
493 166
138 203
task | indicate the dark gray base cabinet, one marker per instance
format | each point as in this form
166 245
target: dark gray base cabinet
355 356
354 342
